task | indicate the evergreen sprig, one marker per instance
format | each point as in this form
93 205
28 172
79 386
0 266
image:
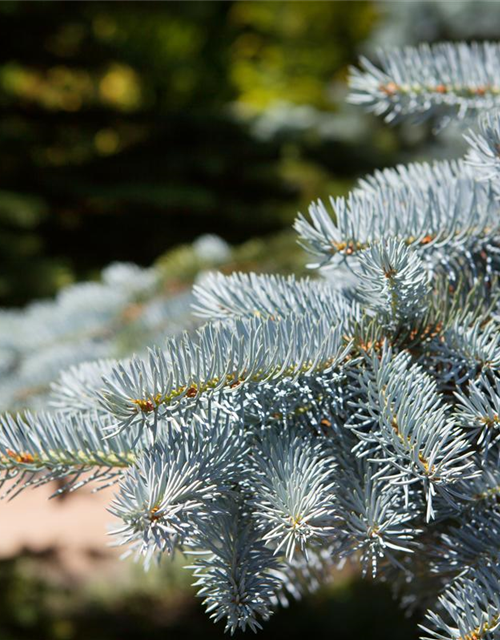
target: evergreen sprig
445 80
310 422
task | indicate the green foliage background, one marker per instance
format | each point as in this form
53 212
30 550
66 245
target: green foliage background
125 128
162 606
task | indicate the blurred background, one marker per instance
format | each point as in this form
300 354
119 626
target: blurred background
127 131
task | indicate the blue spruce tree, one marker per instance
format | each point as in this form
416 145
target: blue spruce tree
308 422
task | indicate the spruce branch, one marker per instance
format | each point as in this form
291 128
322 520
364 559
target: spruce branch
221 358
443 81
470 547
484 152
235 573
444 222
403 421
293 493
478 411
471 610
242 295
375 525
176 481
393 281
466 347
40 448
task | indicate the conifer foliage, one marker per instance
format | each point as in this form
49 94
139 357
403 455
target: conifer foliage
310 422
